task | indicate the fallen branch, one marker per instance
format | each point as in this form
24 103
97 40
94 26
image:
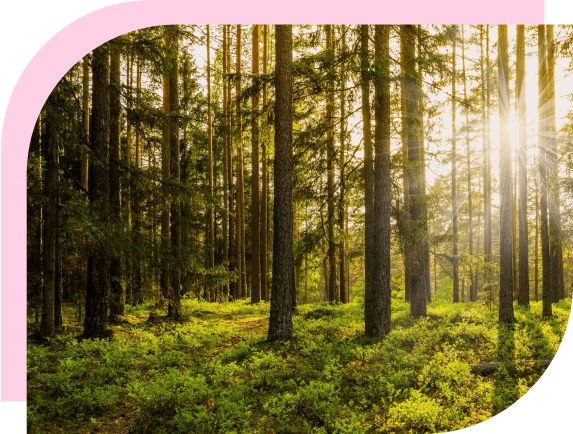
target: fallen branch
485 369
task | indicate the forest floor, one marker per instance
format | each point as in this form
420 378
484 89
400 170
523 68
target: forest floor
214 372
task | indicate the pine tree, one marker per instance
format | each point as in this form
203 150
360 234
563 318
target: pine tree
377 305
522 170
240 201
117 296
368 163
332 286
280 321
255 205
166 176
542 167
506 229
174 306
342 163
265 181
98 279
50 151
472 285
456 295
417 234
210 212
555 236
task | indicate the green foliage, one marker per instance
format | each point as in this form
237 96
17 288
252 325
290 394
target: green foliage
215 372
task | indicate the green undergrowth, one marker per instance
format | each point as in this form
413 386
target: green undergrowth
214 371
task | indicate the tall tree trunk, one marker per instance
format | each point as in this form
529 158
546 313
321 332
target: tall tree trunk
377 306
542 163
342 162
472 287
265 180
506 229
296 261
435 272
233 258
174 307
127 189
280 321
420 134
555 236
523 298
117 296
84 155
210 211
487 233
137 290
255 203
50 151
240 239
98 281
226 137
59 288
333 290
406 204
368 163
536 283
35 252
166 176
84 158
514 246
127 157
454 180
417 236
484 135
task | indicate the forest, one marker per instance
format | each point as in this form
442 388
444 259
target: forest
300 228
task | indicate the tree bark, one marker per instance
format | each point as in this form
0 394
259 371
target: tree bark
84 158
487 233
226 138
166 176
542 163
255 182
377 306
486 369
368 164
137 290
117 295
506 229
472 286
332 284
555 235
50 151
485 134
174 307
456 295
420 134
98 279
536 283
417 235
280 322
210 211
342 162
240 239
265 181
523 298
405 217
233 258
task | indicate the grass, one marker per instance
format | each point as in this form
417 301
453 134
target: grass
214 372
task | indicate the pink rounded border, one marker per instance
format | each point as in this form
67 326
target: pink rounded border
78 38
